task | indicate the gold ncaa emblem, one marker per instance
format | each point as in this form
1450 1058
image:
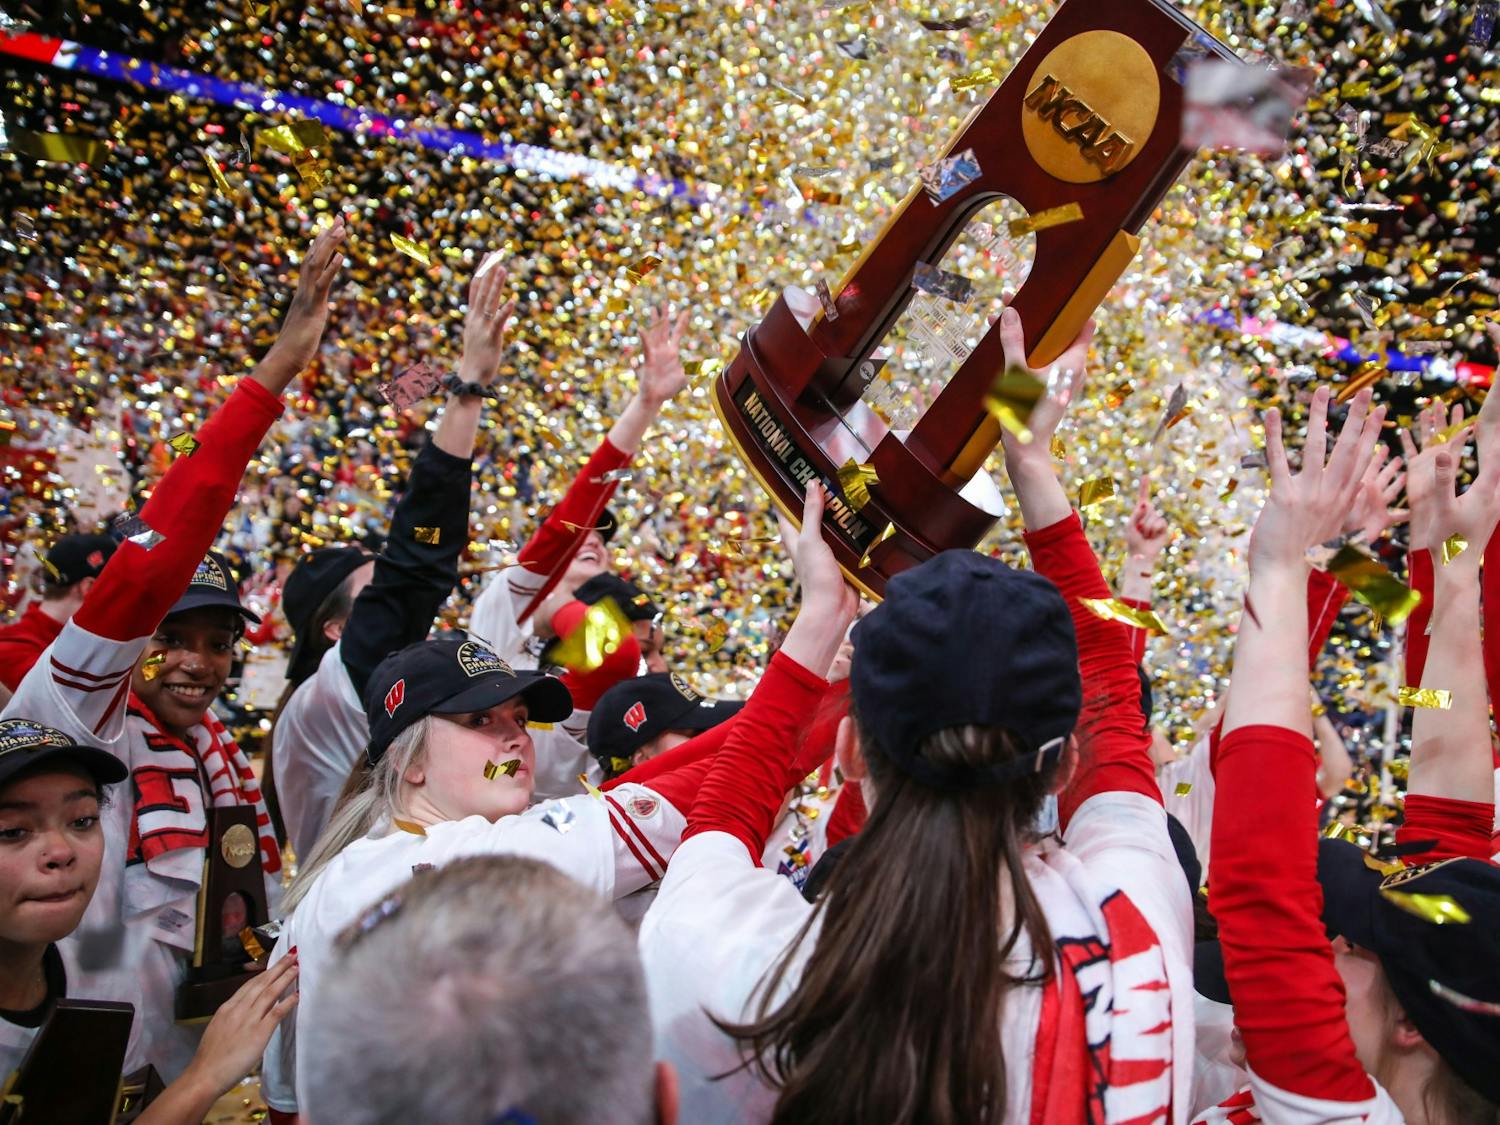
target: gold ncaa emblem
1092 107
237 845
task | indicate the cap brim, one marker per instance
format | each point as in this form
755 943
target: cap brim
1350 888
547 697
199 601
101 765
700 718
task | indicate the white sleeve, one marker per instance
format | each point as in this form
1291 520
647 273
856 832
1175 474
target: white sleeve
718 924
646 831
316 742
278 1066
1187 791
1287 1108
80 685
493 619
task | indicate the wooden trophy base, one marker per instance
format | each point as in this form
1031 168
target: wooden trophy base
199 999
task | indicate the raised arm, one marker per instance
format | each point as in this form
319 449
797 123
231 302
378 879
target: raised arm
430 525
1114 745
85 681
1146 534
1263 872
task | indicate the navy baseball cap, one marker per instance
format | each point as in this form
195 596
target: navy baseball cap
315 577
75 557
964 639
213 584
25 745
634 602
635 711
1444 974
452 676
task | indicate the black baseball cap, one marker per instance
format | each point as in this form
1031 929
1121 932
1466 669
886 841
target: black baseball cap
634 712
1445 974
964 639
75 557
25 745
316 576
213 584
452 676
634 602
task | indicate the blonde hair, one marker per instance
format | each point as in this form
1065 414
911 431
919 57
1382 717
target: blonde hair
376 798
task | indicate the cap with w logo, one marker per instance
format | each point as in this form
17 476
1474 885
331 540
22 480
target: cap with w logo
636 712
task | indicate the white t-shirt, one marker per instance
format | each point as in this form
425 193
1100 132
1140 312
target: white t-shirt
1195 807
719 923
615 846
494 618
319 736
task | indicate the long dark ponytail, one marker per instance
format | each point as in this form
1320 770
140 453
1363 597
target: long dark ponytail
896 1015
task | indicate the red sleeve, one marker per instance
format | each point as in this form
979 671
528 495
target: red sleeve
746 785
1460 828
817 741
1419 574
1263 880
1137 636
1114 745
622 664
848 814
553 545
187 508
696 752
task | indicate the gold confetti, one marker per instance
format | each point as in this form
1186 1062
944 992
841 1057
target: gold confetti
1111 609
1183 788
1451 432
1058 448
1095 491
596 638
855 480
58 148
1434 698
864 559
1052 217
716 634
1385 867
984 76
1012 398
151 666
701 368
508 768
1440 910
642 266
590 788
47 565
1399 768
184 444
220 181
490 770
1369 581
1366 376
428 535
411 249
293 139
1117 394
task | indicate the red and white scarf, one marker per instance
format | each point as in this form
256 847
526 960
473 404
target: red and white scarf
168 785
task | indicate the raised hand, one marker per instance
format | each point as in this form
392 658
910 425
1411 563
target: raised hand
662 375
307 316
1309 507
1372 513
1064 381
1432 424
1146 531
829 603
486 322
1473 515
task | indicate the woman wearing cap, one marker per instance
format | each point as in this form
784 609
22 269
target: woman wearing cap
135 669
452 774
51 846
957 968
1399 1019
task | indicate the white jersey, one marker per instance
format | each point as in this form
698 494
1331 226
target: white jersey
1187 792
1263 1102
319 736
615 845
495 617
719 923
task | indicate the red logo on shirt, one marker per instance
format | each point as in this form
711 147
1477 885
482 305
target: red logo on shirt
642 808
394 697
635 716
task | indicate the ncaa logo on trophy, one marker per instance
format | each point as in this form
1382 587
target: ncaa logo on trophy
1087 129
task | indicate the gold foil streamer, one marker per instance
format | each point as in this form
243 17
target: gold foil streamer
642 266
984 76
1183 788
411 249
58 148
1440 910
151 666
185 444
1111 609
855 480
1012 398
1369 581
597 637
864 559
294 138
490 770
1052 217
1433 698
428 535
1095 491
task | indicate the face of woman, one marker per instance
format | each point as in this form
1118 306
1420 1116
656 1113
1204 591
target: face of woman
452 778
51 845
1366 1002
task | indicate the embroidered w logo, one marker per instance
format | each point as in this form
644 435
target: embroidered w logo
635 716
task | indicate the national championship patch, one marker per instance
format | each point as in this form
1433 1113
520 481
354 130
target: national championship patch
211 574
476 660
683 690
635 716
23 734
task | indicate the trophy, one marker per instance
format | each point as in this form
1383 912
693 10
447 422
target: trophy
1087 127
231 899
71 1071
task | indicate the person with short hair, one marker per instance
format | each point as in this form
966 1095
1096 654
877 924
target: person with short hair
137 667
516 995
69 569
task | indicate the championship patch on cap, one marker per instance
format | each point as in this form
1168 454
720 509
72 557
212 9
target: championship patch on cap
476 660
23 734
210 574
395 696
635 716
682 688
